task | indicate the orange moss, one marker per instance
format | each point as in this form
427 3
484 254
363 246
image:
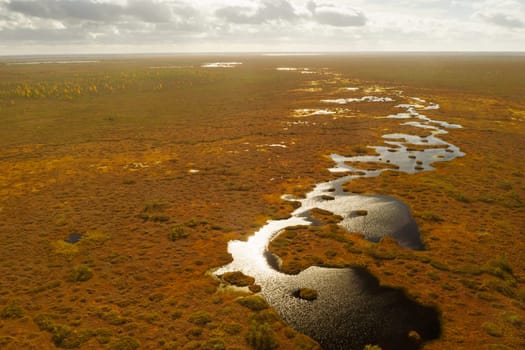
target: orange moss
101 156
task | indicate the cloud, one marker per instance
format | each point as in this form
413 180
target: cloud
60 9
502 20
268 10
40 35
336 16
93 22
259 25
506 14
145 10
149 11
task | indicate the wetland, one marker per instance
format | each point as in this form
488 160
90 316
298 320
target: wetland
373 200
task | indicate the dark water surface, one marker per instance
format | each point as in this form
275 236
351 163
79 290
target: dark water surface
352 310
73 238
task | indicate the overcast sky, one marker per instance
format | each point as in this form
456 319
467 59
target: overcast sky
110 26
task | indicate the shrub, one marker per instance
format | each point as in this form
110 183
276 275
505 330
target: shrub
261 337
150 317
44 322
498 267
12 310
171 346
200 318
154 211
238 278
192 345
429 216
103 336
360 212
177 232
112 317
191 223
126 343
492 329
156 297
255 288
232 328
154 206
253 302
307 294
80 273
359 149
195 331
503 287
67 338
513 318
215 343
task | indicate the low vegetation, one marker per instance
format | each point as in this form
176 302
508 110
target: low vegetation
12 310
80 273
177 232
253 302
307 294
261 337
237 278
107 150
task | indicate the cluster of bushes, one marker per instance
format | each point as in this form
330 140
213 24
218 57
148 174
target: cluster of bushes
66 337
261 336
177 232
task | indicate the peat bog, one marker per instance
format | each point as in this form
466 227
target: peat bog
123 181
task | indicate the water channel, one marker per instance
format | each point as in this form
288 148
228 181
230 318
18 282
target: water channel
352 309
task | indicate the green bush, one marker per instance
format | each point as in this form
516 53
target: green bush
238 278
429 216
80 273
307 294
44 322
492 329
65 337
253 302
261 337
177 232
232 328
200 318
215 343
372 347
126 343
176 314
12 310
103 336
498 267
154 211
513 318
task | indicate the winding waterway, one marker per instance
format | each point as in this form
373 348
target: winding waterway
352 309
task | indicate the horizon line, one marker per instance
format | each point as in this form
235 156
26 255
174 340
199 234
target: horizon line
260 53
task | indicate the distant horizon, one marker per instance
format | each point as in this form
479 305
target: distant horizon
259 53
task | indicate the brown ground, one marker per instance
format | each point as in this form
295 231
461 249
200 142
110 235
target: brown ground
114 164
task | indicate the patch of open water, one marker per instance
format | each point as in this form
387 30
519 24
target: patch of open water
221 65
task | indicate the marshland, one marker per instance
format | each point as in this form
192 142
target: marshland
132 187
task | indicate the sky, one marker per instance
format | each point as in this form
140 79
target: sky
172 26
